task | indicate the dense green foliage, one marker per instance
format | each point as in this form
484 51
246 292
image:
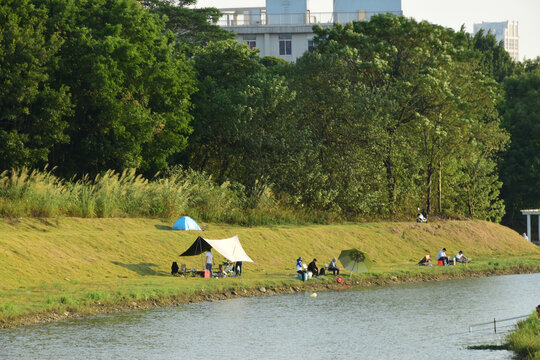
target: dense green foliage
383 117
33 106
103 74
520 168
242 117
191 25
525 341
494 60
404 108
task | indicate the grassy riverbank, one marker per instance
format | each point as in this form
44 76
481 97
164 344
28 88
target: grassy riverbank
525 341
57 268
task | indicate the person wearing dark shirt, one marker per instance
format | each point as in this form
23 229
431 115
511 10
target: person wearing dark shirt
313 267
238 268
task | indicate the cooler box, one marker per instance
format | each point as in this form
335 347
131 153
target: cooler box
206 274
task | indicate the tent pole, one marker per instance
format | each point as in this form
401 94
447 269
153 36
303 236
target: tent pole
202 255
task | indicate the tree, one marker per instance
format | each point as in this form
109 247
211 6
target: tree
32 107
408 99
493 59
130 87
465 125
223 69
520 167
193 26
266 131
242 124
399 61
333 170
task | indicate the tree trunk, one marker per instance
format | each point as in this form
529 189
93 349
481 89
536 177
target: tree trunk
469 202
391 182
439 195
429 178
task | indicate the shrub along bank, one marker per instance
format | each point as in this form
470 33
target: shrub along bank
56 268
525 341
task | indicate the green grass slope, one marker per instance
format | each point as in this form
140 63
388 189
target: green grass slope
57 263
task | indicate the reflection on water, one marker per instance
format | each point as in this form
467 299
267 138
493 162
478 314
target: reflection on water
398 322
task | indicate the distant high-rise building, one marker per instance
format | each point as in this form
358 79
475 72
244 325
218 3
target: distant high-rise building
506 31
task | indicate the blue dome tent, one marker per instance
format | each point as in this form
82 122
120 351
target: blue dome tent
186 223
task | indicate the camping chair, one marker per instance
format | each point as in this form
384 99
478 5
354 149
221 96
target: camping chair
226 268
229 267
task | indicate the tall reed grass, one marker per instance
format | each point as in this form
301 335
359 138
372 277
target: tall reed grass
34 193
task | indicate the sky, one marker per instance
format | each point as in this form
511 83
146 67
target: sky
448 13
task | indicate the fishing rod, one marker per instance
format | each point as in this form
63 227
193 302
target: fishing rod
495 321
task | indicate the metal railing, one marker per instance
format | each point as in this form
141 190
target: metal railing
257 17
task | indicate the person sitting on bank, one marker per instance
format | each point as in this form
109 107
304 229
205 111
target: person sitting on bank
460 258
442 256
538 311
313 267
333 266
300 269
425 261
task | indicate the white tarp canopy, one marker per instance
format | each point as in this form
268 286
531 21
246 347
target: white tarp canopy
230 248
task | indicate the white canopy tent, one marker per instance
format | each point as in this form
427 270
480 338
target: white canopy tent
230 248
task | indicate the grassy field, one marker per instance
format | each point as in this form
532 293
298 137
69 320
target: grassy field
76 265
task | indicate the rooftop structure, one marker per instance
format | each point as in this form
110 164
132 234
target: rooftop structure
528 213
284 27
506 31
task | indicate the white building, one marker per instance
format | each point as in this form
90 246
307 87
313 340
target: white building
284 27
506 31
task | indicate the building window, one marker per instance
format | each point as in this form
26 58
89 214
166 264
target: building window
285 44
251 41
310 45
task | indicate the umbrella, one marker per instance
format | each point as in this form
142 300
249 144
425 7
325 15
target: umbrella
355 260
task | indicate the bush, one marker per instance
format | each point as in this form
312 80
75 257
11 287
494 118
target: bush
526 339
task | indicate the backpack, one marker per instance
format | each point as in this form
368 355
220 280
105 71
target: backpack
174 268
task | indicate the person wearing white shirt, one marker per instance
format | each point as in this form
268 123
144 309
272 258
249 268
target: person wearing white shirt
461 258
442 256
209 261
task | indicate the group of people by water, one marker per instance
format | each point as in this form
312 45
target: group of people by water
210 261
442 259
304 270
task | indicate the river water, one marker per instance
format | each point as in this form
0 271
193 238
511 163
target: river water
410 321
